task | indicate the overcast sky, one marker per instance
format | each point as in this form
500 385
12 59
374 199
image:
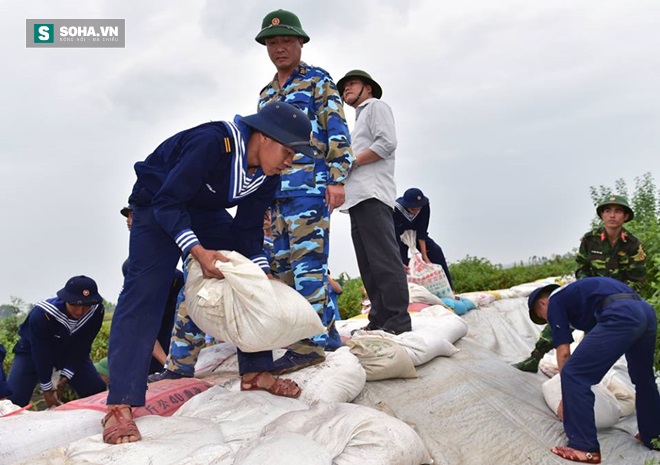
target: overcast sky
507 112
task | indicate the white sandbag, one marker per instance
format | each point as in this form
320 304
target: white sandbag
381 357
248 309
239 415
165 440
548 364
424 344
212 357
621 387
354 434
418 293
525 289
345 327
340 378
30 433
8 408
284 448
444 322
606 407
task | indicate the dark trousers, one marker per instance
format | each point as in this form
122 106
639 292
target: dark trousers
624 327
137 318
380 265
23 379
167 322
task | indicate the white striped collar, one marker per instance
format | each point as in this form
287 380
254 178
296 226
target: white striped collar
61 316
241 183
409 216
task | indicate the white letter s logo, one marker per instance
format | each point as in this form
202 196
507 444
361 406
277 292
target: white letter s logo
43 33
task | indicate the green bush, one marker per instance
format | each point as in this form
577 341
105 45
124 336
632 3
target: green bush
9 337
350 300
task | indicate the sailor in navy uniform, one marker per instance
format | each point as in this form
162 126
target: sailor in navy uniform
57 335
617 322
180 203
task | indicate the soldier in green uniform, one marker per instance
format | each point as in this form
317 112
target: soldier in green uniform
610 251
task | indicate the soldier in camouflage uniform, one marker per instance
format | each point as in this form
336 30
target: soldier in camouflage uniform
313 187
610 251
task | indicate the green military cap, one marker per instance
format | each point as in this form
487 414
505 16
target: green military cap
615 200
376 90
280 23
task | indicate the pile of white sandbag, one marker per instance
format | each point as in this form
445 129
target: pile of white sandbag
248 428
384 355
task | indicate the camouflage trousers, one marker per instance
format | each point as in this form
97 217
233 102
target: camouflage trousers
186 343
301 228
187 339
543 344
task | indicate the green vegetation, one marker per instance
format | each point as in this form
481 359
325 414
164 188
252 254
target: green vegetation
478 274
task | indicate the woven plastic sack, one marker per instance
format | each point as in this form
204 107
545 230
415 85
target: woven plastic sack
606 406
162 398
421 294
381 357
429 275
248 309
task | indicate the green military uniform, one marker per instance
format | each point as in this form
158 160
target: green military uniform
624 261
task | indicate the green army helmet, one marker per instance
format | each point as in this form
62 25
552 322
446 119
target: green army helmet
615 200
365 77
280 23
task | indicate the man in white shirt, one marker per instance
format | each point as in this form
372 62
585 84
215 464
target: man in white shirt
370 197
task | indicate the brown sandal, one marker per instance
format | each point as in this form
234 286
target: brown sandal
123 427
280 387
569 453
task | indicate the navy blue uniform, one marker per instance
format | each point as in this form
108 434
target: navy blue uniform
49 340
167 322
616 326
404 221
180 199
4 387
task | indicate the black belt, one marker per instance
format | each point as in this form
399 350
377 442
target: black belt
611 298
